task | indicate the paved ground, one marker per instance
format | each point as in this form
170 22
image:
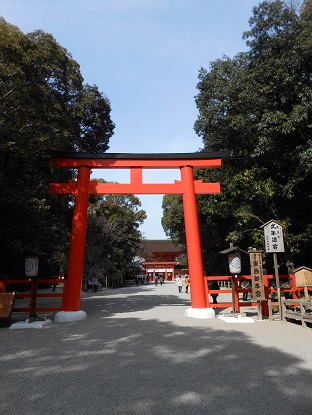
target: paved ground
137 354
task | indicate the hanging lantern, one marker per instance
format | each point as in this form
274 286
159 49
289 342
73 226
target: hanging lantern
31 266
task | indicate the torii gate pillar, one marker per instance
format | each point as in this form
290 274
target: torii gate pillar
199 304
72 288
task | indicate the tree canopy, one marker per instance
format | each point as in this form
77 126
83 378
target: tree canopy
259 104
113 236
44 107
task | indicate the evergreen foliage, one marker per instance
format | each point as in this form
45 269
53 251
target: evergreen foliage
44 107
260 105
113 236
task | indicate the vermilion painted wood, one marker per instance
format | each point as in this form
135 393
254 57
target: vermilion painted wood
294 290
72 294
70 163
83 187
194 255
134 188
136 175
237 308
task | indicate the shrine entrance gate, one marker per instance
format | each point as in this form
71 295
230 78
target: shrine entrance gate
83 187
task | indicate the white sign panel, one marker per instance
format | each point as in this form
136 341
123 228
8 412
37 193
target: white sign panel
273 234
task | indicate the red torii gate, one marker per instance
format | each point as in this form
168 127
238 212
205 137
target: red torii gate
83 187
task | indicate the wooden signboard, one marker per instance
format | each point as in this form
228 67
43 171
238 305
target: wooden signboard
6 307
303 277
257 275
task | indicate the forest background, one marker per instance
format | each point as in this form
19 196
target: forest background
257 103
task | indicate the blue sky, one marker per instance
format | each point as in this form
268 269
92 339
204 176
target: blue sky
144 55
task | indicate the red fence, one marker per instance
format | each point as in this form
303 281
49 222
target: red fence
32 293
287 285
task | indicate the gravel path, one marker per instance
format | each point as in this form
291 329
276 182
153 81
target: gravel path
137 354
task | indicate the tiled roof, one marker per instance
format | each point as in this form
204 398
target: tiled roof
152 246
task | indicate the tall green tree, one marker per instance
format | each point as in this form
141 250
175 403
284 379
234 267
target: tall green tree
44 107
113 236
259 104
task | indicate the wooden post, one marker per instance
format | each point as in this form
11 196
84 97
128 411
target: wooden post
2 286
72 294
278 286
265 307
194 255
236 294
32 298
259 310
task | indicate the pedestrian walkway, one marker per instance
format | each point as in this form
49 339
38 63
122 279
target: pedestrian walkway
137 354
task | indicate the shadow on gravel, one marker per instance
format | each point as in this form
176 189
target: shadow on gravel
137 301
130 366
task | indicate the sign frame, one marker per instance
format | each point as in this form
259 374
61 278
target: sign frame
273 237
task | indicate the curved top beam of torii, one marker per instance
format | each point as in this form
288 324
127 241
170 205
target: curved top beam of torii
127 160
136 163
224 155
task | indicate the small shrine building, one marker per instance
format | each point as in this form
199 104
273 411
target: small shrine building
160 258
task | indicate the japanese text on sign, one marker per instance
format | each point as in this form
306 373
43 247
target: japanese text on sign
273 234
257 275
